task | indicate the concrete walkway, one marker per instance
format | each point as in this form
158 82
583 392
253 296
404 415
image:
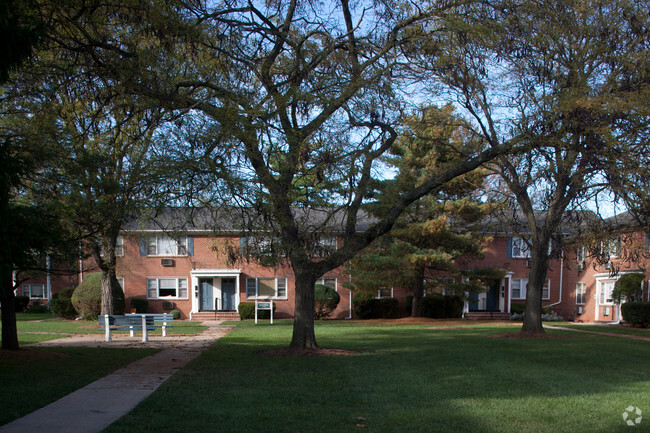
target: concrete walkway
97 405
609 334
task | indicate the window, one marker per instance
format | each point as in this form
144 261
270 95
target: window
581 293
324 246
266 287
519 286
581 254
384 292
612 248
34 291
166 246
606 289
167 288
328 282
119 247
518 248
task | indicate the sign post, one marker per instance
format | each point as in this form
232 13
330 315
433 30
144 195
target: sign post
264 305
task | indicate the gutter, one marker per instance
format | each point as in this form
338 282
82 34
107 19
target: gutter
561 282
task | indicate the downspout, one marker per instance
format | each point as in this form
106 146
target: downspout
81 265
350 294
561 280
48 266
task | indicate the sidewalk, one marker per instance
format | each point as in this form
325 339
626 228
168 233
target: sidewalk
609 334
97 405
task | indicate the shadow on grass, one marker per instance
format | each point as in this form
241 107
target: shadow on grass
416 380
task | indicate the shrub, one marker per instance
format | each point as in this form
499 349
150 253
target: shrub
141 305
247 311
37 308
628 287
87 297
21 303
433 306
388 308
363 304
636 313
517 308
176 314
326 299
454 306
61 304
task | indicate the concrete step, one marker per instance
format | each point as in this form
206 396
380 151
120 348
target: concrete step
212 315
487 315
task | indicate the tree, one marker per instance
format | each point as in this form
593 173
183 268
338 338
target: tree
434 235
287 95
568 79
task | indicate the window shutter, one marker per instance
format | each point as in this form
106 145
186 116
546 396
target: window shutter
143 247
509 246
190 245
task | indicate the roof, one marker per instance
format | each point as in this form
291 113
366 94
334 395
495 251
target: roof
238 220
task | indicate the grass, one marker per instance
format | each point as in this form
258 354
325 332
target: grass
30 385
608 329
408 378
47 323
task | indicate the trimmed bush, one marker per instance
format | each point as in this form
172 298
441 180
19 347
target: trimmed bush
388 308
61 304
636 313
517 308
433 306
21 303
246 311
37 308
176 314
141 305
326 299
363 304
87 297
454 306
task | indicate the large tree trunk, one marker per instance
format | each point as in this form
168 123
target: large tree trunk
8 301
418 293
537 277
304 336
108 295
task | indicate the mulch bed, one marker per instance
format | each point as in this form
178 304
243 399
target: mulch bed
321 351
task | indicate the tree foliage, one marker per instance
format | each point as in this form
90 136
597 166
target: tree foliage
568 79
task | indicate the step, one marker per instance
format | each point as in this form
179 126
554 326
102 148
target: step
211 315
487 315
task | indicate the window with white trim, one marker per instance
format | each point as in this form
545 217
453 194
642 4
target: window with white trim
519 285
385 292
162 245
581 253
612 247
34 291
606 289
266 287
581 293
520 248
119 246
324 246
331 282
167 287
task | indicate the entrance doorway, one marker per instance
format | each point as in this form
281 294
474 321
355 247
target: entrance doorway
206 295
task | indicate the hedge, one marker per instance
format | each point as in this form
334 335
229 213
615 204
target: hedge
141 305
636 313
61 303
87 297
247 311
439 306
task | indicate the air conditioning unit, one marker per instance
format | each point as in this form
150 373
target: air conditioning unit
579 310
581 266
167 305
167 262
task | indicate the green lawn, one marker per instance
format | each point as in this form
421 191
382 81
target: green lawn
29 323
641 332
30 385
407 379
